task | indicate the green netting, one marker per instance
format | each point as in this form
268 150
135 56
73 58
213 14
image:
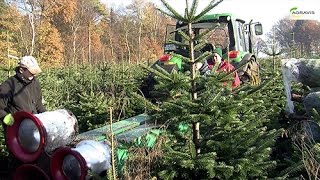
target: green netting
142 136
117 128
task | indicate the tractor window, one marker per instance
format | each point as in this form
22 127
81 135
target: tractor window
218 37
242 40
170 32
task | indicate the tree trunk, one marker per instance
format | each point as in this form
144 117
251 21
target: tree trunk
89 44
195 126
31 21
74 53
139 43
111 45
139 37
128 47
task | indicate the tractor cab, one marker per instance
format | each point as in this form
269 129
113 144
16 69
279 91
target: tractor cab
231 34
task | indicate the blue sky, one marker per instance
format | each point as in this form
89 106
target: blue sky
268 12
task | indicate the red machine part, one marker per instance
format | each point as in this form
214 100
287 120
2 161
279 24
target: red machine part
58 159
13 142
165 57
233 54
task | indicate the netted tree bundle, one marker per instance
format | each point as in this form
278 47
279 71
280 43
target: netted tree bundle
306 71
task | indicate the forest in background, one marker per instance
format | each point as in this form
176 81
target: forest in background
68 32
64 32
292 38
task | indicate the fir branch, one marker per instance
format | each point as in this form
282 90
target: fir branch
213 99
163 74
192 149
208 8
231 106
210 155
144 100
168 174
207 162
260 87
193 10
296 167
186 12
226 170
242 91
200 46
171 105
263 143
203 56
266 164
185 36
174 14
248 140
177 155
188 104
180 44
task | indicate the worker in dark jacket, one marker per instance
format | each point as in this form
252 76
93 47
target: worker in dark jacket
21 92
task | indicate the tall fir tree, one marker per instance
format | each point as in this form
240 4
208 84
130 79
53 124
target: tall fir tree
213 131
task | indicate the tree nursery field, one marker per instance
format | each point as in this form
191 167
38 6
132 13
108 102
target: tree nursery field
249 135
139 103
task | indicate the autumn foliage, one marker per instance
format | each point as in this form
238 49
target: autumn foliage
68 32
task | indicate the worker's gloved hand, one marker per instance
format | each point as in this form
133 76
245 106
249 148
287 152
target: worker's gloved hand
8 120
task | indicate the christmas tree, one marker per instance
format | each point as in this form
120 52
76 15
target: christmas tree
213 131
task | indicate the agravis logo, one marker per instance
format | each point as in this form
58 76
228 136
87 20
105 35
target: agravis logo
297 14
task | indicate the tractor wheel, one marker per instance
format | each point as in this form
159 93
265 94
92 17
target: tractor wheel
254 72
251 73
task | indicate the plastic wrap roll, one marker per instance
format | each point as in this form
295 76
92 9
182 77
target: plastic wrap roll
61 128
96 154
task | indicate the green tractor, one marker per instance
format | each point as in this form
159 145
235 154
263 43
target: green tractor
231 34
